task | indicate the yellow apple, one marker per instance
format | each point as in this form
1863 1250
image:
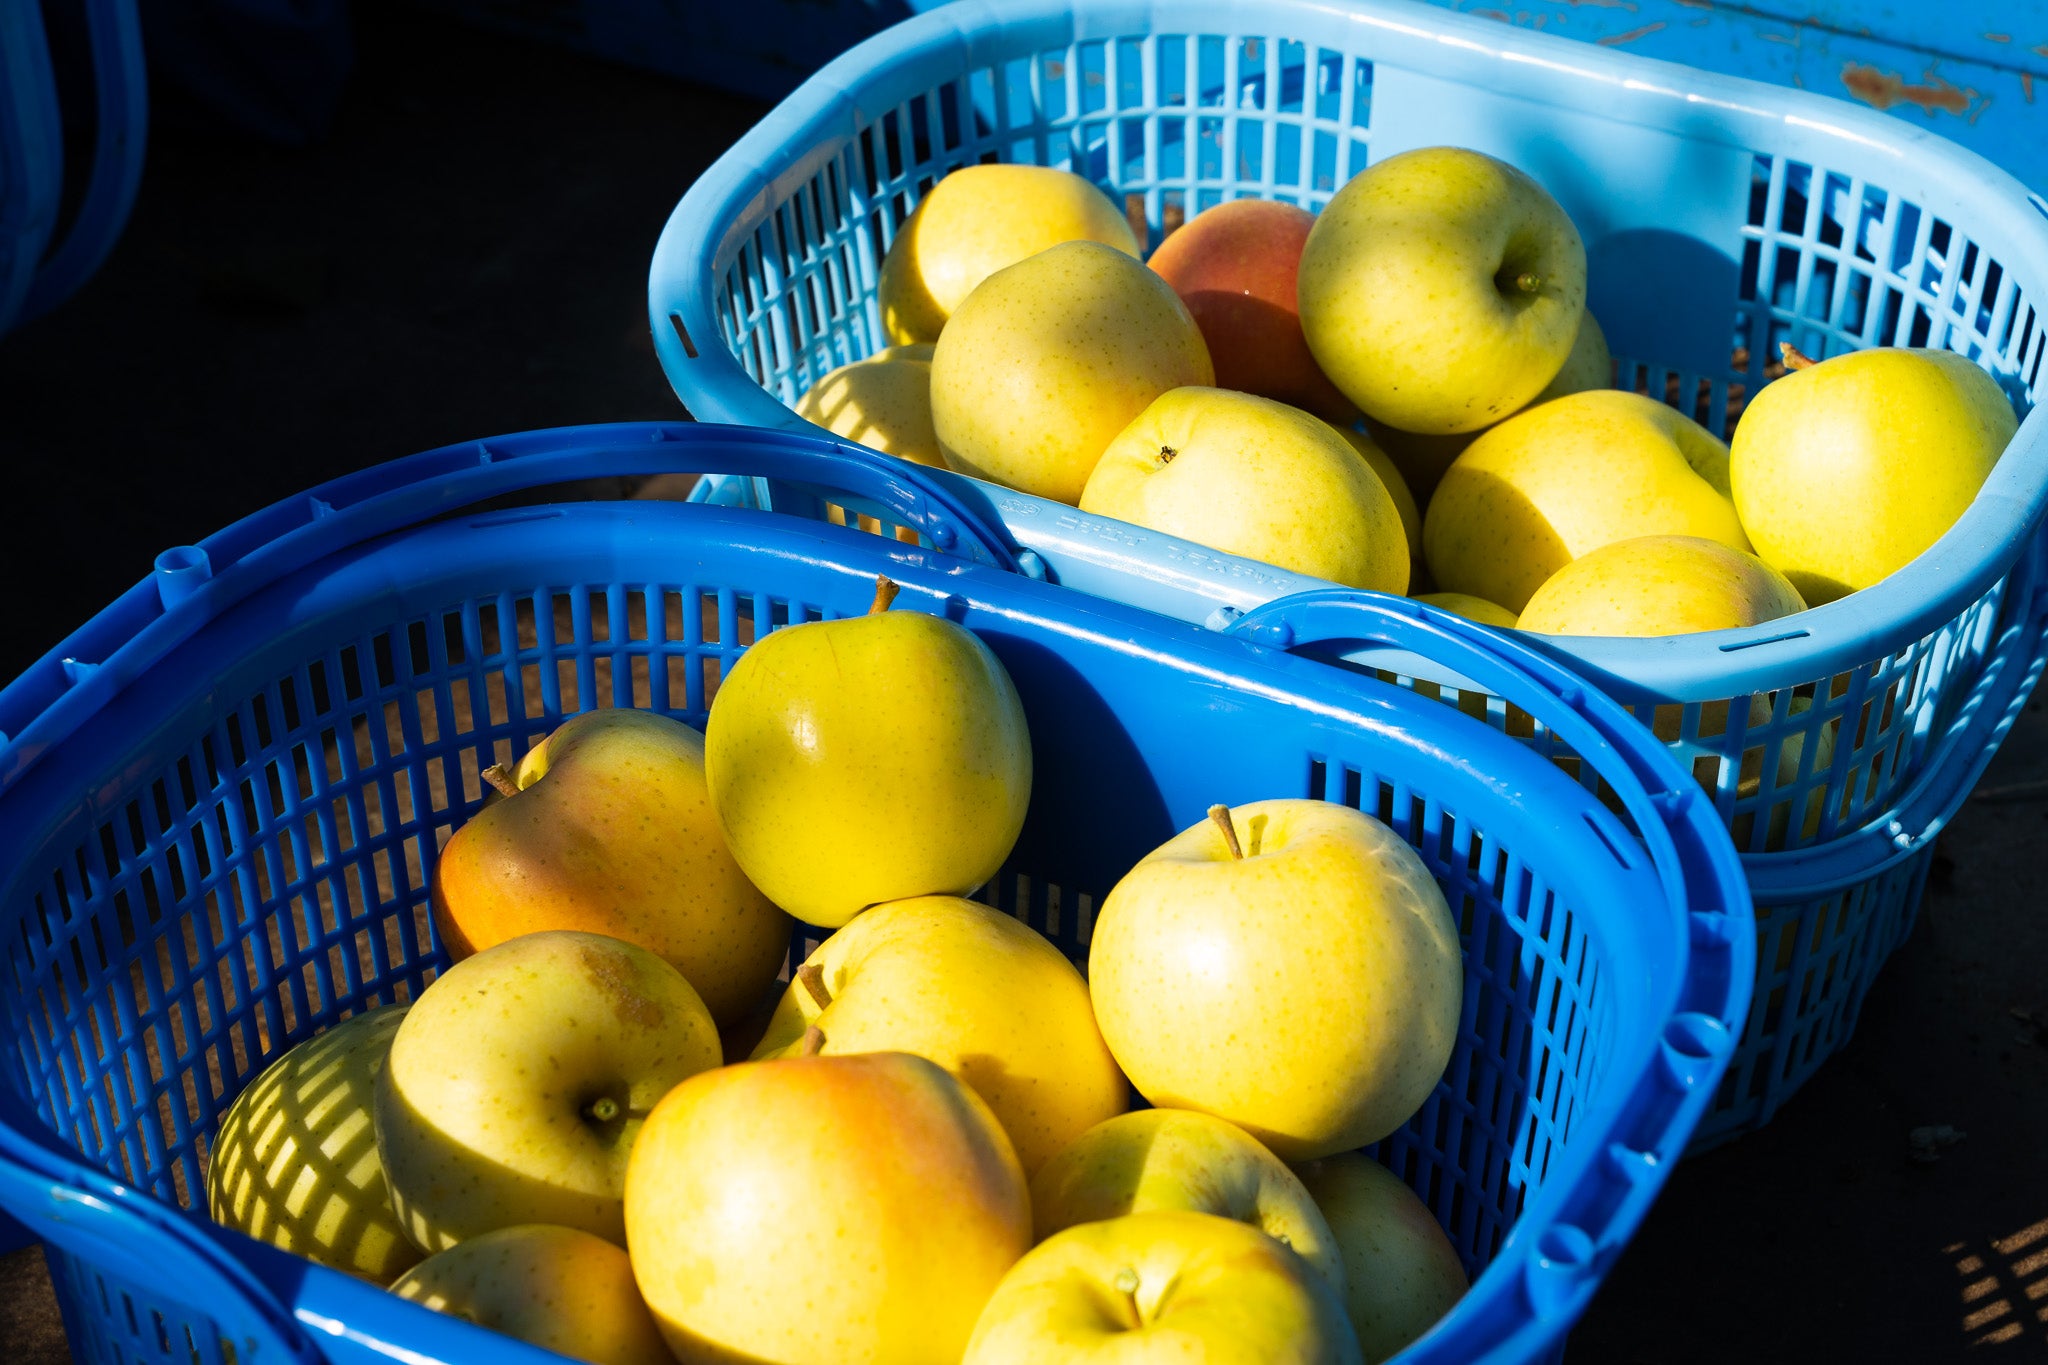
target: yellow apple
520 1079
1257 478
976 221
1561 480
1178 1159
917 350
869 759
823 1209
1846 470
1442 289
1287 965
1396 485
609 830
560 1289
981 993
1472 608
1422 460
1162 1288
1049 359
1659 585
1401 1271
295 1161
883 403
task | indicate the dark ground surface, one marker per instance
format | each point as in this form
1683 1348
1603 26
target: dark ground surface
466 254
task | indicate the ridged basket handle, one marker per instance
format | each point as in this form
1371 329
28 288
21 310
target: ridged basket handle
1948 773
31 154
133 1238
120 135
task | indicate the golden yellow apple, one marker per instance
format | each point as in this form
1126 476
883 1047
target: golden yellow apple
981 993
558 1288
519 1080
1257 478
295 1161
976 221
1846 470
1472 608
1163 1288
884 403
1396 485
609 829
1153 1159
1288 965
1561 480
1659 585
1401 1271
1441 289
868 759
823 1209
1049 359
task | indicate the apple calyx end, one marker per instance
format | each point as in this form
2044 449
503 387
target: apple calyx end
1167 454
1794 358
885 593
1221 815
813 978
813 1043
500 780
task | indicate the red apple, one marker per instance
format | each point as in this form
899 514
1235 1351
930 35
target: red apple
1234 266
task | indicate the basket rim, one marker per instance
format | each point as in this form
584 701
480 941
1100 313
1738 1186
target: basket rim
788 145
1603 1179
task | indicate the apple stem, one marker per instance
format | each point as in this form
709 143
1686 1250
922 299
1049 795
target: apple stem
1126 1284
885 593
604 1109
1221 815
1795 359
500 779
814 1042
813 977
1528 281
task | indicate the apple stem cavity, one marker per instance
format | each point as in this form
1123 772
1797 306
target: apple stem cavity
1795 359
1258 832
500 779
813 977
885 593
813 1043
1221 815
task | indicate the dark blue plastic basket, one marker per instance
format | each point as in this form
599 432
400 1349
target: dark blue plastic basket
222 799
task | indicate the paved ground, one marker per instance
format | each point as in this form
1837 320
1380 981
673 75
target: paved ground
466 255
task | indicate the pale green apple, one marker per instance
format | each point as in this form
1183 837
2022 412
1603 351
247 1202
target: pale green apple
981 993
1180 1159
976 221
1846 470
1472 608
295 1161
1441 289
868 759
1257 478
1659 585
823 1209
1401 1271
520 1078
884 403
1168 1287
1561 480
560 1289
1049 359
1288 965
609 829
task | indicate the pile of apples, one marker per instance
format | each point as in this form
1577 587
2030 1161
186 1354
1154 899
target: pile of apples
928 1153
1401 393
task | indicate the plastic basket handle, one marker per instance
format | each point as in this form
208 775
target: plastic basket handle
120 135
1597 728
1946 777
194 584
31 153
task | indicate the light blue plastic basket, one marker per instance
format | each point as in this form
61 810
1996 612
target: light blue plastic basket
39 266
222 801
1721 217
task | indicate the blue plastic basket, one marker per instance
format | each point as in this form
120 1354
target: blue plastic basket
40 267
223 797
1721 217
